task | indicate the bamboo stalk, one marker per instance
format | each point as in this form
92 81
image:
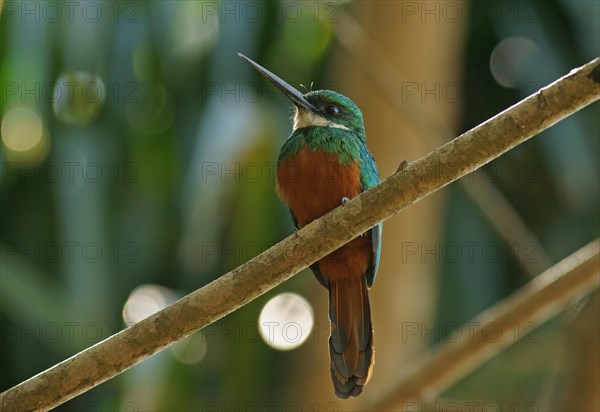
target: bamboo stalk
493 205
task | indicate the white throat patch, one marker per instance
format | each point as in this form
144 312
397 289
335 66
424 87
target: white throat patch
305 118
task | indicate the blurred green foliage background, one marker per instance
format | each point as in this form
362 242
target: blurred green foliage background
138 149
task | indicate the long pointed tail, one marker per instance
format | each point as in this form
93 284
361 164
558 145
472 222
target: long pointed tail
351 340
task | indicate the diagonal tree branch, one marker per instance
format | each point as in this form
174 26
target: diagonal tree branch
411 183
498 327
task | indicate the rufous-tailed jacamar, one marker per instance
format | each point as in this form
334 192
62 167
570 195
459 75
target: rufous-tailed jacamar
324 163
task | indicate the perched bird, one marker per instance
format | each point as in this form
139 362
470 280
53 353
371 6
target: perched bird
324 163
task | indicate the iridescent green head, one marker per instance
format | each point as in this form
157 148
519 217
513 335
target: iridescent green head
320 108
332 110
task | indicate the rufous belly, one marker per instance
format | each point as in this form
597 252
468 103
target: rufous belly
313 183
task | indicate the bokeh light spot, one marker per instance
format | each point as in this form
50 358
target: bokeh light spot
22 129
511 59
24 135
146 300
286 321
78 97
190 350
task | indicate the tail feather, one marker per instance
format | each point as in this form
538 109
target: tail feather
351 340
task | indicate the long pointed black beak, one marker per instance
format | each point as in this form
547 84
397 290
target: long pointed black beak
293 94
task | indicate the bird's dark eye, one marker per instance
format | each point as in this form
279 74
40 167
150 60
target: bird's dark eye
332 110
